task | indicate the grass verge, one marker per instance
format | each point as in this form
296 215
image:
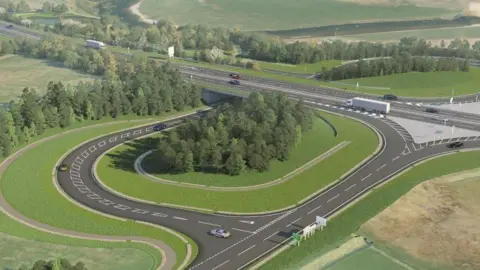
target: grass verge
31 174
363 143
317 141
350 220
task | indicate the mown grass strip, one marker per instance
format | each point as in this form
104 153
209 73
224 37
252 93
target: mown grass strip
350 220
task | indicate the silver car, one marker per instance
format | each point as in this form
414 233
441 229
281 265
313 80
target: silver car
221 233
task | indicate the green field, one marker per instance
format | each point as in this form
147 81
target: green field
279 15
446 34
31 174
302 68
366 259
350 220
19 72
16 251
363 143
417 84
317 141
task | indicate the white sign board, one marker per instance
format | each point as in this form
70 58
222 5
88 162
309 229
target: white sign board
171 51
321 221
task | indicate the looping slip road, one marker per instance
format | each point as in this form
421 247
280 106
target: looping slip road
139 169
168 255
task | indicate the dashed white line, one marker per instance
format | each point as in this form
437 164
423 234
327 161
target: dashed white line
293 222
314 209
236 229
381 167
220 265
333 198
211 224
395 158
365 177
273 234
112 139
350 187
245 250
180 218
159 215
458 139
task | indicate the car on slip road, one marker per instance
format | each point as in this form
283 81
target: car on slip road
455 145
159 127
63 167
220 233
431 110
390 97
234 82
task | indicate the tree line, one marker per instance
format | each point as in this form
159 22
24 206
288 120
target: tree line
403 63
57 264
141 88
208 40
237 136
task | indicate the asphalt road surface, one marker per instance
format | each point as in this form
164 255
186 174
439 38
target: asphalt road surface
252 236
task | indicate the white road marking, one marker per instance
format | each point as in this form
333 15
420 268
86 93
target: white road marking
121 207
293 222
94 196
218 266
159 214
75 167
414 147
85 154
314 209
212 224
74 173
273 234
333 198
78 160
449 139
365 177
458 139
476 138
247 221
137 132
92 148
140 211
381 167
245 250
240 230
181 218
84 190
112 139
395 158
124 135
467 138
350 187
102 143
148 129
106 202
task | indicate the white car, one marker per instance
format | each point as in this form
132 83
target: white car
221 233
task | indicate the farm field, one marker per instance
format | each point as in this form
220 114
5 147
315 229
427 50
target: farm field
363 143
280 15
471 33
366 259
53 209
417 84
351 219
302 68
307 150
19 72
16 251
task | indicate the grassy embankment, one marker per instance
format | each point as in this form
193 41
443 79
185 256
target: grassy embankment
31 174
126 181
350 220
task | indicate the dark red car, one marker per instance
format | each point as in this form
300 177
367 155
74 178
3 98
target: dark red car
235 76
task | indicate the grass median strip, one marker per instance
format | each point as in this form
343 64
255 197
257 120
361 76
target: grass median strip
350 220
363 143
31 174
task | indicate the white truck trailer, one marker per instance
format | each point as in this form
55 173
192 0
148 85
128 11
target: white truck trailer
369 105
95 44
